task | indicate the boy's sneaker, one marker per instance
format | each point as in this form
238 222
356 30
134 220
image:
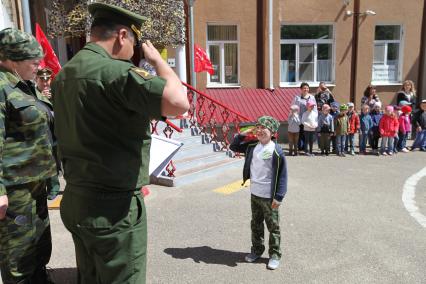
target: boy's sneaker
273 263
252 257
405 150
390 154
352 153
384 154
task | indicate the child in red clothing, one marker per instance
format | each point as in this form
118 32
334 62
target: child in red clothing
388 128
404 128
354 126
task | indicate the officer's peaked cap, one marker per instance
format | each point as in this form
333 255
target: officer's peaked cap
116 14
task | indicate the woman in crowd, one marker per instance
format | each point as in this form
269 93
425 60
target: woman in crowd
370 96
407 93
26 162
301 101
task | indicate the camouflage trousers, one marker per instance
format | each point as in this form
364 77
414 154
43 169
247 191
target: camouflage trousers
25 249
261 211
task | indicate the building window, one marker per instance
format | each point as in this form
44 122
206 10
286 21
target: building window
306 54
387 54
222 47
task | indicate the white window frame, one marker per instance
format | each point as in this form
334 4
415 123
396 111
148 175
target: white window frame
315 42
221 44
400 54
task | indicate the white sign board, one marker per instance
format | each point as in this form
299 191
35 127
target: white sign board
385 73
161 153
171 62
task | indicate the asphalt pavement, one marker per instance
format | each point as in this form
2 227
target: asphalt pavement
343 221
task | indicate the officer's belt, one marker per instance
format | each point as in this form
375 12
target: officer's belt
86 191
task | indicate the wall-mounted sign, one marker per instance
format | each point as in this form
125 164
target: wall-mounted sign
171 62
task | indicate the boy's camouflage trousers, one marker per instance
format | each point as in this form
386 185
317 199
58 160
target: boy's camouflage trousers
261 210
25 249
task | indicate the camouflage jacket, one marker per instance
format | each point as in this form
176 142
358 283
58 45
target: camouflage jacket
25 149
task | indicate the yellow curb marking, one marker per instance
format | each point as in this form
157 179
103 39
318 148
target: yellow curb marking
232 187
55 204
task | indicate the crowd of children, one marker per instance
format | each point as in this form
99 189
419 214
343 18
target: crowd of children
336 126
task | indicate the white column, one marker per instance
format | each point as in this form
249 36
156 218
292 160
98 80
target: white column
271 46
5 16
181 62
26 16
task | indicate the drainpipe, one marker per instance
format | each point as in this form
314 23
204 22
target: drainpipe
422 70
26 16
260 45
355 32
271 55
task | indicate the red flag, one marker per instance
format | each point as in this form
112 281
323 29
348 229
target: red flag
50 59
201 60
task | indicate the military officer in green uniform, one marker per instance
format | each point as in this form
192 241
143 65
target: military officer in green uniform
26 162
43 81
103 106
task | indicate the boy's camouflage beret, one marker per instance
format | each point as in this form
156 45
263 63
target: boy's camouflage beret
269 122
17 45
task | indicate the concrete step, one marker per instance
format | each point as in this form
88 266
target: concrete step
195 160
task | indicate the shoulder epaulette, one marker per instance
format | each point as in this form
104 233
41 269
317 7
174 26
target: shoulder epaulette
143 73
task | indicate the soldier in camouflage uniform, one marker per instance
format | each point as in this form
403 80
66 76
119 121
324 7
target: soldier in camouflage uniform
26 161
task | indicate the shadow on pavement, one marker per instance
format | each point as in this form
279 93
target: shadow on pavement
63 275
210 255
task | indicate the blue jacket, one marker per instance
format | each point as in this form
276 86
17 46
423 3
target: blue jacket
376 116
325 123
366 123
279 165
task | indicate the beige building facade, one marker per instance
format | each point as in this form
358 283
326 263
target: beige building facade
312 41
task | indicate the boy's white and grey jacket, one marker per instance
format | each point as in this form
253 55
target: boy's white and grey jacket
279 165
310 120
294 123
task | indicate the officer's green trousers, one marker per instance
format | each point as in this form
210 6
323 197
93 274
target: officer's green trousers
110 234
25 249
261 211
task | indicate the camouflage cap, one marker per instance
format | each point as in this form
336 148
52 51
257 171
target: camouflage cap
344 107
269 122
17 45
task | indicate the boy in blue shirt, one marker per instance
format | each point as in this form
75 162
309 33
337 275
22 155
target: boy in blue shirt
265 166
366 123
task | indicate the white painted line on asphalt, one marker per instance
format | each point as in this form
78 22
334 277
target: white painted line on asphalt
409 195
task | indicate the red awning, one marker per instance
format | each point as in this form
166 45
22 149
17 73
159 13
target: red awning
253 103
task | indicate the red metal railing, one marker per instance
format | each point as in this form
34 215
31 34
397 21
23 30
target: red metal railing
213 120
217 122
168 132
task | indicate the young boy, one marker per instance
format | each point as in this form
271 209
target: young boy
353 119
265 166
293 129
366 123
310 124
376 115
334 112
341 126
325 128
